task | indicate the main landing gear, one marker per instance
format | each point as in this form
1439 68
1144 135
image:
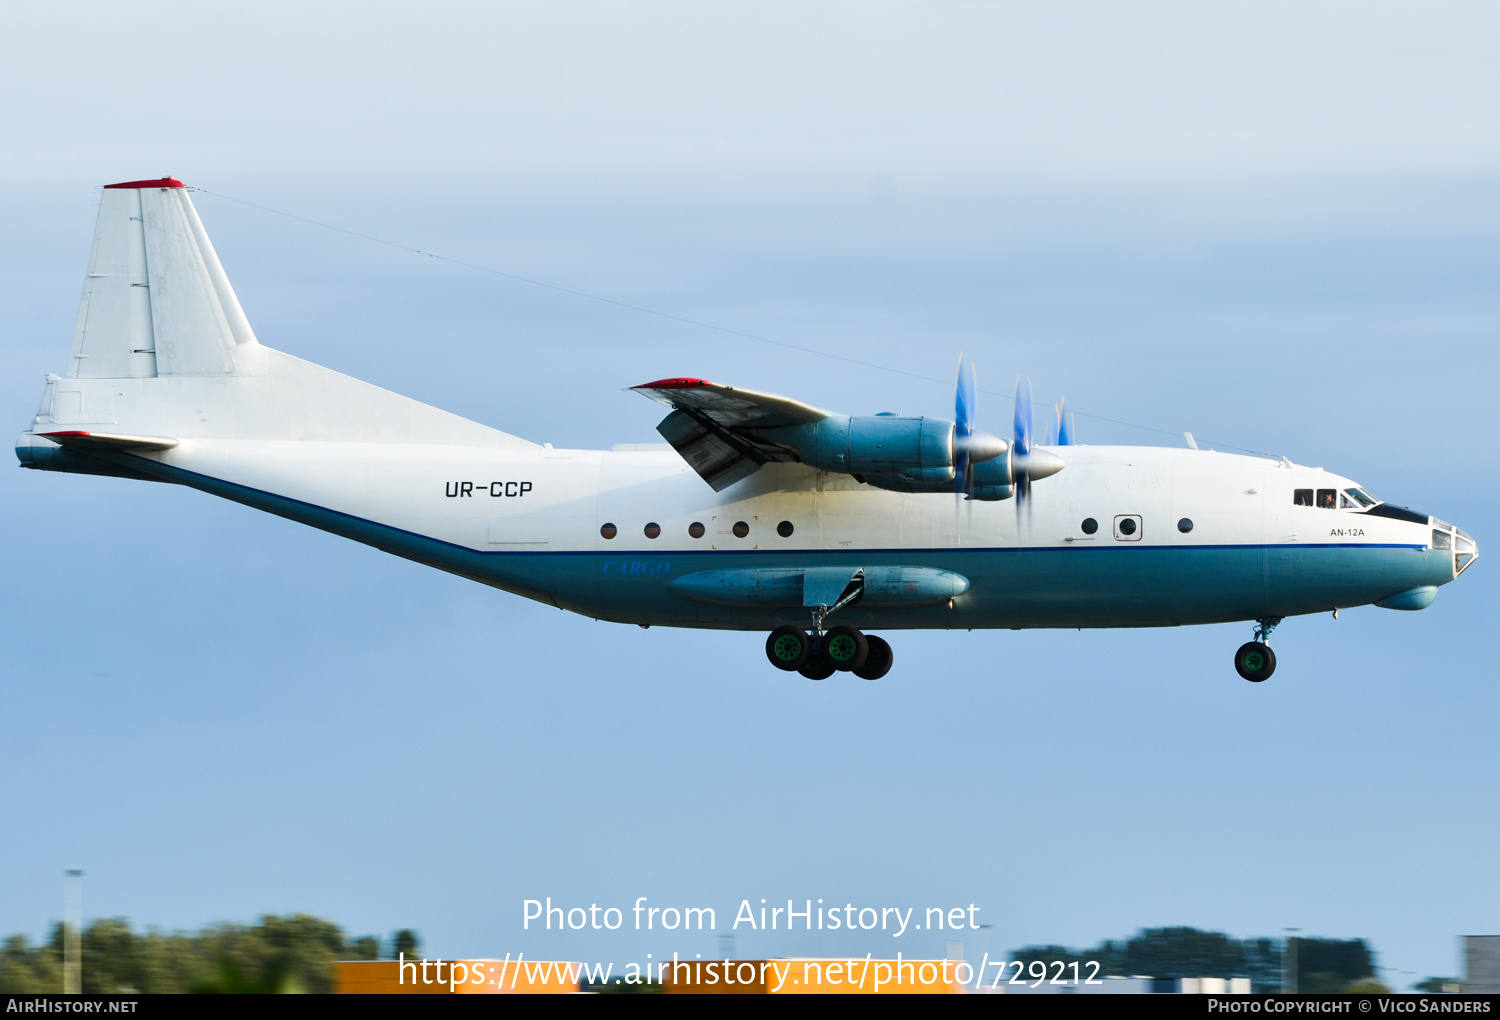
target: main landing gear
818 656
1255 661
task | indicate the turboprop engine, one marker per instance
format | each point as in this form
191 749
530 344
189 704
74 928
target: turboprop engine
888 451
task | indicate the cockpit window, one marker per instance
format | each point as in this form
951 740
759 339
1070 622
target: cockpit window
1441 540
1352 498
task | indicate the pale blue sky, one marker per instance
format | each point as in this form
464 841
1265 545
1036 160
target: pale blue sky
1274 227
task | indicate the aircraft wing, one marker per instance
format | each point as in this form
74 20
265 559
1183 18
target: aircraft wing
714 426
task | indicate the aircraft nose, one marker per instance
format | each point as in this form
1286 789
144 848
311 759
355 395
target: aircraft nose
1465 551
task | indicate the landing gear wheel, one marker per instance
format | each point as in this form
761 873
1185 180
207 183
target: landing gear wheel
879 661
1255 661
816 668
788 648
845 648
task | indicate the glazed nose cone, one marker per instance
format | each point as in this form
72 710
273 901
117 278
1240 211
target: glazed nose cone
1465 551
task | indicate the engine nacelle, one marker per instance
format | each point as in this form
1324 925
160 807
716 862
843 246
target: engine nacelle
915 449
898 453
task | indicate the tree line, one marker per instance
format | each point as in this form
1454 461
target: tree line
297 953
1322 965
276 954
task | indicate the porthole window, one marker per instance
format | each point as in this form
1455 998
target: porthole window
1127 526
696 529
784 529
741 529
608 530
1185 525
1089 525
653 529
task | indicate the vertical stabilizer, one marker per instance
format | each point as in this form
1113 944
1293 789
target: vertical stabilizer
156 302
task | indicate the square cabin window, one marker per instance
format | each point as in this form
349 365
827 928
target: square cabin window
1302 497
1328 499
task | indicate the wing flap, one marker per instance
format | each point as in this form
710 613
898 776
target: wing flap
720 457
713 426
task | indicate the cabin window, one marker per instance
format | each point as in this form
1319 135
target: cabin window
1302 497
1328 499
741 529
653 530
608 530
784 529
1185 525
696 529
1089 525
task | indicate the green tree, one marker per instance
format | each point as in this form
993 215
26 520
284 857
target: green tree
1184 952
1332 965
1175 953
29 970
277 954
405 942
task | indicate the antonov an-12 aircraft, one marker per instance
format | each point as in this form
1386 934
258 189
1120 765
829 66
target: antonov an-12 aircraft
759 513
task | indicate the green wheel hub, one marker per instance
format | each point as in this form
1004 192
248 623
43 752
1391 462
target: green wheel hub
787 648
841 648
1254 661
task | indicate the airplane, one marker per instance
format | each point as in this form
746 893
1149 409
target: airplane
758 513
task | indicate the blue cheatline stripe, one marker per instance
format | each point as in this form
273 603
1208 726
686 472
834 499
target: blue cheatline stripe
253 497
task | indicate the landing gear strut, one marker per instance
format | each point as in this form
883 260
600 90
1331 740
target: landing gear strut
1255 661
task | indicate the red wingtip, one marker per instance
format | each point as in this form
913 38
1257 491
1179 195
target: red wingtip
65 435
674 384
164 182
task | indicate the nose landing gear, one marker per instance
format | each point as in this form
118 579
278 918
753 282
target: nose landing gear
1255 661
819 656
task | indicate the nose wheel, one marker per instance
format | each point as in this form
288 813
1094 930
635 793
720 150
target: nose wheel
839 649
1255 661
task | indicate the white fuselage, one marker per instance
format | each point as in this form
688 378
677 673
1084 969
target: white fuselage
167 381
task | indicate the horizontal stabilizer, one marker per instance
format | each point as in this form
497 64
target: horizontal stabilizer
106 441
